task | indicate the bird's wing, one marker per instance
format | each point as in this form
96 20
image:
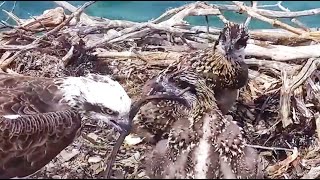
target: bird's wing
21 95
29 142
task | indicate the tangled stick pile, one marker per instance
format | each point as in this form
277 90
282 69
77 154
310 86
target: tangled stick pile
278 109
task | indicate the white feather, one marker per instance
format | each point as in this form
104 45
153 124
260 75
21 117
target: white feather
11 116
97 89
202 151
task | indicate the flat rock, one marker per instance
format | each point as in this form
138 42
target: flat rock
67 155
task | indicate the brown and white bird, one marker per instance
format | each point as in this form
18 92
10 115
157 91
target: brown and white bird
201 143
198 141
222 66
39 117
223 69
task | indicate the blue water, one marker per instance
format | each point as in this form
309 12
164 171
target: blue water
140 11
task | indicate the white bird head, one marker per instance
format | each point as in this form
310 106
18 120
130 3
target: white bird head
99 98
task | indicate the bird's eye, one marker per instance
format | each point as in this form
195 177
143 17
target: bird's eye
240 44
108 111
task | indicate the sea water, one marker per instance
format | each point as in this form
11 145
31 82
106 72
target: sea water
141 11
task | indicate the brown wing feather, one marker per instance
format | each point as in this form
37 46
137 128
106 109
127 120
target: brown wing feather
31 141
28 95
245 163
154 120
45 127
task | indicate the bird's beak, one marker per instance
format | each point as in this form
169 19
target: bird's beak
125 126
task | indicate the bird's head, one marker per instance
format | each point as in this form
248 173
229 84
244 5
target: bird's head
100 98
233 39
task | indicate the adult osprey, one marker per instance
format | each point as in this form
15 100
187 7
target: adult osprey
39 116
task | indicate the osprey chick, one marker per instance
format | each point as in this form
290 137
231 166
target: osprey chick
202 143
224 72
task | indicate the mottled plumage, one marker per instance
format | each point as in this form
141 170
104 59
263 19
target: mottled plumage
198 141
222 66
202 143
223 69
39 117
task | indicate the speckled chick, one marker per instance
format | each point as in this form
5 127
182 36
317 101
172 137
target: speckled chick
202 143
223 69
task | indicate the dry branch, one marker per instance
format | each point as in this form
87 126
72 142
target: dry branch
276 23
294 20
283 53
271 13
289 85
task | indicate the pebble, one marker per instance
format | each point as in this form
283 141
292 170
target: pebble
56 177
93 136
66 156
94 159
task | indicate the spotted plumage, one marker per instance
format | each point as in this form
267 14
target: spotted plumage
199 141
39 117
222 66
203 143
223 69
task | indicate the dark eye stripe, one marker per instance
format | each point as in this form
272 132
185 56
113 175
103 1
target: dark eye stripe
91 107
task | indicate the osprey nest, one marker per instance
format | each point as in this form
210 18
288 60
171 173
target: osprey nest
278 109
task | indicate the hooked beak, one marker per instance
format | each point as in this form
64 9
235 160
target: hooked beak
122 125
125 127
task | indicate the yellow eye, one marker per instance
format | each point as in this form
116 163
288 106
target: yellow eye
108 111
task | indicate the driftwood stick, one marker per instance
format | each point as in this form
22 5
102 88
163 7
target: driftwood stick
14 17
314 91
168 13
36 42
254 6
65 59
289 86
4 64
195 9
90 21
83 16
12 9
65 22
271 13
294 20
271 64
269 148
283 53
311 65
300 103
275 23
285 94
